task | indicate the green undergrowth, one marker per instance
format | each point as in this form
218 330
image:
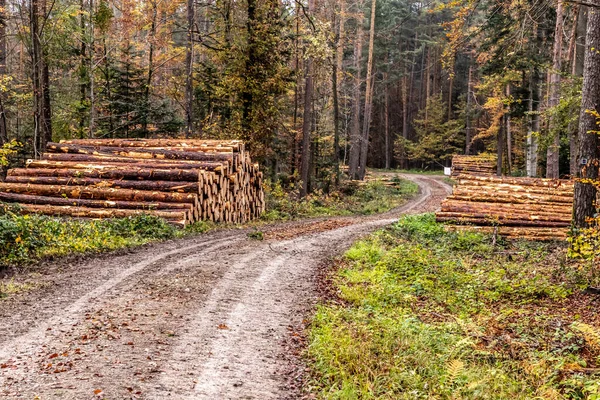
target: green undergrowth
28 238
372 198
421 313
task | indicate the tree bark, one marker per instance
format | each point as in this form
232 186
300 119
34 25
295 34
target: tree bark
552 156
189 69
500 149
112 172
584 207
306 120
61 201
3 70
36 73
86 192
386 120
508 134
364 145
162 186
336 72
355 134
533 125
148 86
468 137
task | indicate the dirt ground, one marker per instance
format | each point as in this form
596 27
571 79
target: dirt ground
202 318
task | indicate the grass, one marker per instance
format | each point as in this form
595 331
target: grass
421 313
11 287
372 198
28 238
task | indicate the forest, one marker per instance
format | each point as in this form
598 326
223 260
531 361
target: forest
310 86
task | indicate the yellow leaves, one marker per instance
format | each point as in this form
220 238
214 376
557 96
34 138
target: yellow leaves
8 150
589 333
318 42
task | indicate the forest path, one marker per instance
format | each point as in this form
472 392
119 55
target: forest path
201 318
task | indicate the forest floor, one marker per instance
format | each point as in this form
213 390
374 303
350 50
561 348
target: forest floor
208 317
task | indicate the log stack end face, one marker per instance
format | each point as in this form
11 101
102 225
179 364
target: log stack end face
181 180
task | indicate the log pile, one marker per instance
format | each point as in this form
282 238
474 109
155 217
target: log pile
483 164
514 207
180 180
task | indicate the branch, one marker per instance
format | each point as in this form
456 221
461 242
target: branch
306 15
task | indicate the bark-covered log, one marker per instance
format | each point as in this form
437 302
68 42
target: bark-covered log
86 192
179 216
123 161
163 186
555 184
509 196
142 153
115 172
61 201
467 206
237 145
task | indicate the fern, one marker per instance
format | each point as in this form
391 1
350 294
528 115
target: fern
454 369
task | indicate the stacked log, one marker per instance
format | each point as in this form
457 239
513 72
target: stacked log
515 207
180 180
483 164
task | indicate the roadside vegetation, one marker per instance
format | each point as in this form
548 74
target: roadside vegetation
420 313
369 198
27 238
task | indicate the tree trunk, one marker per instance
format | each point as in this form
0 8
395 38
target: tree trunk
189 65
45 84
336 72
355 137
148 86
92 124
307 120
3 70
571 53
468 137
83 72
533 125
552 156
36 73
500 149
588 157
508 134
364 145
386 120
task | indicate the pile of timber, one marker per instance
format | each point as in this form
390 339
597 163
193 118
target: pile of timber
483 164
526 208
181 180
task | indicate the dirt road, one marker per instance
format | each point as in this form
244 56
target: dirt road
202 318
